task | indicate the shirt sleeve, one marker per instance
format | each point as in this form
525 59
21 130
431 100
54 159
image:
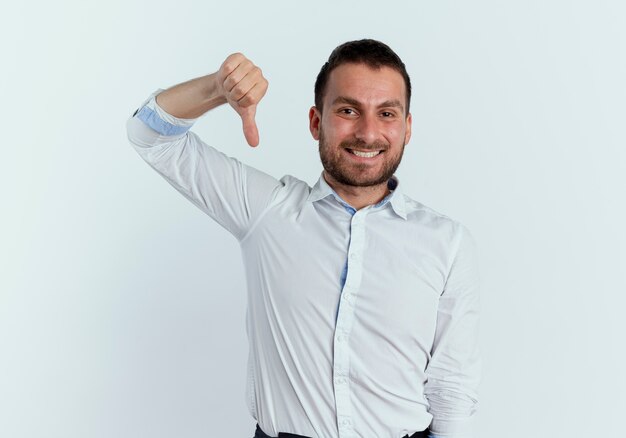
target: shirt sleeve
453 373
230 192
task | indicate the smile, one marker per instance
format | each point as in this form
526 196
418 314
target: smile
370 154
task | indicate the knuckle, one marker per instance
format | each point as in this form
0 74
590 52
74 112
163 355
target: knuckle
232 61
246 101
228 68
237 91
229 83
248 66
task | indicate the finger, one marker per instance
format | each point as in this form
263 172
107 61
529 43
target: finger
231 63
244 86
244 68
250 130
253 96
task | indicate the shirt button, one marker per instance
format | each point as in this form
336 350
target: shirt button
347 297
339 338
354 256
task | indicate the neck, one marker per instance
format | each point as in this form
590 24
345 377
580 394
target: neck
358 197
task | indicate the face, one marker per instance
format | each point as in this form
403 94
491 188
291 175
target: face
363 127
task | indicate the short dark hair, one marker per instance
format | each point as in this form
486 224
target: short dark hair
366 51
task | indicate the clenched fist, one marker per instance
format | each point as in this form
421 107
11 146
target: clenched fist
243 86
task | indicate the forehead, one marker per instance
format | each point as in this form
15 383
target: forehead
365 84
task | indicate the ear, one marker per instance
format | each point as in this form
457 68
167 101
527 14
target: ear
315 118
407 135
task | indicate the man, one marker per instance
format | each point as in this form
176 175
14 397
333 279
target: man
362 303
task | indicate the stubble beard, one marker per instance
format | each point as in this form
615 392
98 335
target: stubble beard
353 174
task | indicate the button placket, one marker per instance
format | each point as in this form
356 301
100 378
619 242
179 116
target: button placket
345 317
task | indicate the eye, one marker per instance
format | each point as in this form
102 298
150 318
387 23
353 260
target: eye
347 111
387 114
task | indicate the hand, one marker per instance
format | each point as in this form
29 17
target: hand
243 85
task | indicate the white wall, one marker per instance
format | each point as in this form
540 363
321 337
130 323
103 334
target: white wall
122 305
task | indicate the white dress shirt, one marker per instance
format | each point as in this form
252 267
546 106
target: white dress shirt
360 323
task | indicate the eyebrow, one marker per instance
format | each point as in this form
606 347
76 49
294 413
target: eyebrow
393 103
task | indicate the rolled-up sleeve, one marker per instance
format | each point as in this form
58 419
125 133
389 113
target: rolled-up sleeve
454 371
230 192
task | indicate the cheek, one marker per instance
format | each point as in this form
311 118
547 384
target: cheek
391 135
396 135
337 127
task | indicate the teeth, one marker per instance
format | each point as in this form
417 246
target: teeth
365 154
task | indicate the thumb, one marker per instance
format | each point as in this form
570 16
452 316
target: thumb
250 131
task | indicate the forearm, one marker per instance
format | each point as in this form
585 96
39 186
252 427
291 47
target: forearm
191 99
231 193
454 369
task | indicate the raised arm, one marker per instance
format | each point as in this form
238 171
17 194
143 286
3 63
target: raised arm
230 192
238 82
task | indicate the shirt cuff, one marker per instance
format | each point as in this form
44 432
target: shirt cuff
436 435
159 120
459 428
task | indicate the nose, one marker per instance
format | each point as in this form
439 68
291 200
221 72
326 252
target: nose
367 129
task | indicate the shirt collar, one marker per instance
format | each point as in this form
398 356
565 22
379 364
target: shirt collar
321 190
